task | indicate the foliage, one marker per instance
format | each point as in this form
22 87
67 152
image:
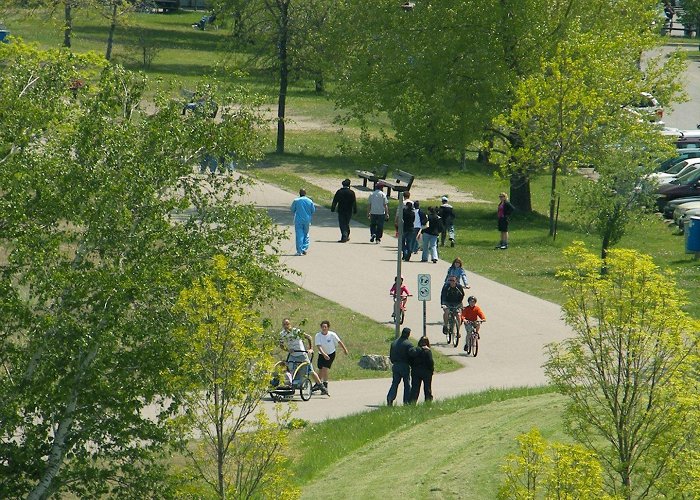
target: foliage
573 110
434 71
103 224
226 371
630 371
551 471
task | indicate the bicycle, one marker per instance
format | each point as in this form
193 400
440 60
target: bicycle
402 307
453 324
471 345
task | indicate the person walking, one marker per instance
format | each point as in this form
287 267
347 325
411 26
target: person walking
303 209
447 214
346 203
430 236
399 208
408 237
422 370
400 356
504 211
377 213
292 340
326 343
419 221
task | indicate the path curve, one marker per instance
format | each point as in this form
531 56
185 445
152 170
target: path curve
357 275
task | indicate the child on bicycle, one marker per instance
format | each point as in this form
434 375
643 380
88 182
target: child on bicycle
472 312
404 294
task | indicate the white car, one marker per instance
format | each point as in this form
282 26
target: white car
679 169
686 216
682 209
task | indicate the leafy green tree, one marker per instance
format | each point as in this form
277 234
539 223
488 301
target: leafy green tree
551 471
285 35
573 113
103 225
630 372
430 69
690 15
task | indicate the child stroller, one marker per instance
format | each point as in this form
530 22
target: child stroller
288 377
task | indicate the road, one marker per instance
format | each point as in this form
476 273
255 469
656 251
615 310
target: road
358 275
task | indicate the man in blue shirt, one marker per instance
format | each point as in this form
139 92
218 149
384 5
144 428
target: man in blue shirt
303 209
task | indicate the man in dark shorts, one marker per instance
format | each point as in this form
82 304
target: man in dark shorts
326 342
504 211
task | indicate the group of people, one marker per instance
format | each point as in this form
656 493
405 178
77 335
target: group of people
412 365
299 347
452 297
437 225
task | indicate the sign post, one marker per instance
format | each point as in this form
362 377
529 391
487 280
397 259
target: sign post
424 296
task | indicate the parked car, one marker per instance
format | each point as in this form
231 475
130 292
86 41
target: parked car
646 108
683 139
676 171
671 205
683 208
687 215
681 154
688 185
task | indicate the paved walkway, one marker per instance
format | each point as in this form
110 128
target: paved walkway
358 275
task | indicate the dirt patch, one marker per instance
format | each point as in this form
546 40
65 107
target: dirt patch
423 189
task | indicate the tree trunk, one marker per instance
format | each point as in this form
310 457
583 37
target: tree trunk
284 73
68 28
112 28
58 449
520 195
552 199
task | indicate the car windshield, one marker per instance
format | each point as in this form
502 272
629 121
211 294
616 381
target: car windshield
688 178
677 167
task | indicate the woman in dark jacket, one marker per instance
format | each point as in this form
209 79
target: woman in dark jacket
430 236
408 218
422 368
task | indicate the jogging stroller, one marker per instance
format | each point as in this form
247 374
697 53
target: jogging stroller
290 376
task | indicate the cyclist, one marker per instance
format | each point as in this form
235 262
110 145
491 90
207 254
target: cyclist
451 296
472 312
404 294
457 270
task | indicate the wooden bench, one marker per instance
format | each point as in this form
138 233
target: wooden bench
376 176
403 182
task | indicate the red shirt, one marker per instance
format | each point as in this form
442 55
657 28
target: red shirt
470 313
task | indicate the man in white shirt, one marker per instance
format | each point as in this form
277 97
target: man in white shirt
326 342
377 213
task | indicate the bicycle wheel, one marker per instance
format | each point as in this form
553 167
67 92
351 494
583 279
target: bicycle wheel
455 322
450 327
475 343
403 313
305 390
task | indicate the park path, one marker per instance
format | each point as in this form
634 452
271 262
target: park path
358 275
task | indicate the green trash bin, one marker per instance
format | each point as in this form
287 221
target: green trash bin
692 235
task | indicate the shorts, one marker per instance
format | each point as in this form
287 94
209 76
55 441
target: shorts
502 224
326 363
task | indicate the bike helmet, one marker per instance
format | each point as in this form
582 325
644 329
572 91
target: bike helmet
471 297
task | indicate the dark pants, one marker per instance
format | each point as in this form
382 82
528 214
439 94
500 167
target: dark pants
426 378
376 225
399 371
407 244
344 224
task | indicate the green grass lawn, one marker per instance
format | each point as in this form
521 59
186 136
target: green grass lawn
450 449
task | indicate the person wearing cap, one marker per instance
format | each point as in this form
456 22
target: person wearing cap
346 203
447 214
303 209
400 356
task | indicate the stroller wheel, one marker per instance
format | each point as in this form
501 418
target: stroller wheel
305 389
